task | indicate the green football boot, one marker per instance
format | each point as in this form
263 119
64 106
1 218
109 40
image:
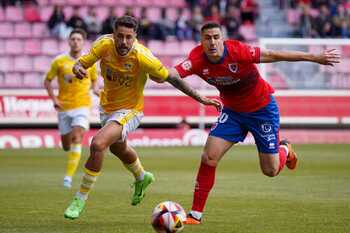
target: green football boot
140 188
75 208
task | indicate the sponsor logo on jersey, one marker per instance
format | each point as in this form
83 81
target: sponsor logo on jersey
222 81
233 67
186 65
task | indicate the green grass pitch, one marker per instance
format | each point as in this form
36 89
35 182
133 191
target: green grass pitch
313 199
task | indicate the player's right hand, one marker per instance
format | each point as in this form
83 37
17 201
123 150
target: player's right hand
57 105
79 71
214 102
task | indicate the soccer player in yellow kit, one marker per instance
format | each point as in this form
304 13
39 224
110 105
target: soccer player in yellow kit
125 67
73 101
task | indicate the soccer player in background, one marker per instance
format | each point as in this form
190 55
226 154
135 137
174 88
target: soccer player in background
248 105
125 66
73 101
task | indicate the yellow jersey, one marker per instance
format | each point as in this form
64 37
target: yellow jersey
72 92
124 76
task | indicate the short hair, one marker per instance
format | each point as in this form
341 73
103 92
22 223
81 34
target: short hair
126 21
78 31
210 25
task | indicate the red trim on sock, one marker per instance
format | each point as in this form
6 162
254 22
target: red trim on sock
283 157
204 183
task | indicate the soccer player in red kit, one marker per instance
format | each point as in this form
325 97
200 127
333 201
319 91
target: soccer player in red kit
248 105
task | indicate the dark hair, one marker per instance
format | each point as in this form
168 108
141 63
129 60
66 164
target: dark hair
210 25
126 21
78 31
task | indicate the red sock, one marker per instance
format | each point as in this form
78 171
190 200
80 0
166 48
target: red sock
283 158
204 183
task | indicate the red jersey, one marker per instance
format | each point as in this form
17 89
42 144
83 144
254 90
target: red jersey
236 76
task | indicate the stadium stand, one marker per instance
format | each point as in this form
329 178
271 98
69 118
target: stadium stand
27 48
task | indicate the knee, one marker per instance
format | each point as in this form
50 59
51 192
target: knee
209 160
77 138
98 145
270 172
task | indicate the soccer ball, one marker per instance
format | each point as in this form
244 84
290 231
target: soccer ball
169 217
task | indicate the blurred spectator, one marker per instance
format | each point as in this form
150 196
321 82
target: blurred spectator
214 14
31 12
306 23
323 23
93 24
182 29
342 22
164 27
249 10
129 10
76 21
57 24
107 25
145 26
232 22
196 22
5 3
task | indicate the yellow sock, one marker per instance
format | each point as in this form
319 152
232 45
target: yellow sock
136 169
87 183
73 159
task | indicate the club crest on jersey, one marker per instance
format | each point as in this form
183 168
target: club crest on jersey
233 67
127 66
186 65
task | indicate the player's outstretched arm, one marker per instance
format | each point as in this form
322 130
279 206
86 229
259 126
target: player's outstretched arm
175 80
79 71
328 57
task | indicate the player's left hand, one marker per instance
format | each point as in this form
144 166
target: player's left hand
214 102
328 57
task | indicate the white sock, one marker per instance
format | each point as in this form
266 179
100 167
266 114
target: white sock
82 195
141 176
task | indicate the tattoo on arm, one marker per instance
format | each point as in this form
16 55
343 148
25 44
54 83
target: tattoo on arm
178 83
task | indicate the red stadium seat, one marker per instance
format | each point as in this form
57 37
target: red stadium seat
143 3
156 47
13 47
63 46
2 47
187 46
178 3
33 80
39 30
6 64
23 30
13 80
45 13
50 47
77 2
32 47
58 2
248 31
43 2
172 48
108 3
102 12
153 14
6 30
42 63
2 14
171 13
23 63
14 14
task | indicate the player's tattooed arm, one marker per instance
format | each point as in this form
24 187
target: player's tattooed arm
79 71
327 57
175 80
